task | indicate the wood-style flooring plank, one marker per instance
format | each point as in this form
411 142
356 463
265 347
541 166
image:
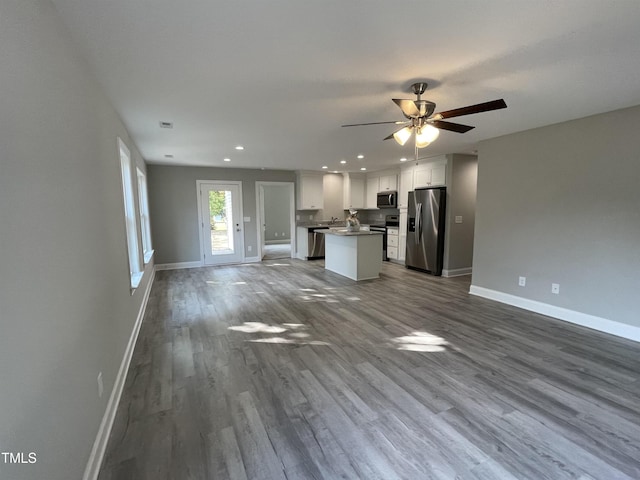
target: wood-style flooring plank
282 370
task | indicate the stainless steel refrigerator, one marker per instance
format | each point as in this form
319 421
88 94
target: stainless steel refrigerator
425 229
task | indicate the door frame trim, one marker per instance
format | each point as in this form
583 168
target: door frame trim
260 210
199 184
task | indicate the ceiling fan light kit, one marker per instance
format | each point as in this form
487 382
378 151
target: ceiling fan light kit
425 123
425 135
402 135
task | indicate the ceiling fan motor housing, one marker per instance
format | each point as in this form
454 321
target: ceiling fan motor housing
419 88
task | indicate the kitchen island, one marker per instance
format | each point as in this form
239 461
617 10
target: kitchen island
356 255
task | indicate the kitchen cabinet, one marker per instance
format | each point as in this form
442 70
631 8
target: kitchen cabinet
353 192
355 255
392 243
379 183
402 236
429 175
432 174
373 183
388 183
406 185
310 191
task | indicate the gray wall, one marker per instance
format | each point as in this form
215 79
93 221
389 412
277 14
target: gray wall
67 310
333 184
462 176
561 204
173 206
276 213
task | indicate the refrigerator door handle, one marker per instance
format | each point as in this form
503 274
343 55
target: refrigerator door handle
418 222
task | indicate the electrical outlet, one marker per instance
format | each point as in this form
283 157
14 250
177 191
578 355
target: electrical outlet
555 288
100 385
522 281
283 234
276 234
298 217
249 247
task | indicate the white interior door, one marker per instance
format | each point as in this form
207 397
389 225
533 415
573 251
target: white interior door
221 210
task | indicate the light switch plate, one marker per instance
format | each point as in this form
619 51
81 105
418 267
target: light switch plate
458 218
247 219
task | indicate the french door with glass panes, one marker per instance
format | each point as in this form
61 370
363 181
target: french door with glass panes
221 222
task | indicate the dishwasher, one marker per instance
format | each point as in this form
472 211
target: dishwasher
315 244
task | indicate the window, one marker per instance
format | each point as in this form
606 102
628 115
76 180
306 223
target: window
133 248
145 225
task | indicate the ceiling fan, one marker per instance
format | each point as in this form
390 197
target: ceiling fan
425 123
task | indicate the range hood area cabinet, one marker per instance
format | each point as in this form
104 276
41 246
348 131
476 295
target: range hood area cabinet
310 189
382 182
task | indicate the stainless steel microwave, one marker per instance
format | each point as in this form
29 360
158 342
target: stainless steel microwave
387 200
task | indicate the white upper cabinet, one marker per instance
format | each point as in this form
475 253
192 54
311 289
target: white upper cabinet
310 191
432 174
388 183
379 183
373 183
406 185
438 174
353 192
429 175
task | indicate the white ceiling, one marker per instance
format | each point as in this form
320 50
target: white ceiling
281 76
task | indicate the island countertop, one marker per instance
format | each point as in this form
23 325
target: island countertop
343 232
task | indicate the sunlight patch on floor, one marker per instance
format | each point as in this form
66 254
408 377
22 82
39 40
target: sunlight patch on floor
296 335
420 342
257 327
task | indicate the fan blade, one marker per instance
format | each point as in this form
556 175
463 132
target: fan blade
398 122
480 107
408 107
453 127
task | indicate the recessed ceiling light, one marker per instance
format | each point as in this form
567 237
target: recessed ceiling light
227 159
403 159
168 155
343 161
360 156
324 167
239 147
166 124
362 168
335 171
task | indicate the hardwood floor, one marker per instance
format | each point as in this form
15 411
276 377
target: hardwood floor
282 370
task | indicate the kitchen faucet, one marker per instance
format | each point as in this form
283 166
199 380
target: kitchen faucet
333 220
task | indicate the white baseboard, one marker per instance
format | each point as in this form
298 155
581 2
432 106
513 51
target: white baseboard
284 241
590 321
456 272
251 259
100 444
179 265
